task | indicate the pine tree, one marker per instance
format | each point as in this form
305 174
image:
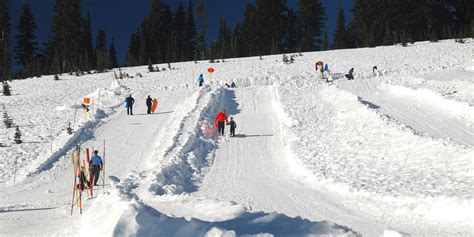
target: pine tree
150 66
25 47
5 54
7 120
6 89
18 136
66 34
270 21
224 40
189 45
340 35
201 38
312 16
101 50
433 36
293 32
88 60
325 40
133 52
249 32
112 55
388 37
178 40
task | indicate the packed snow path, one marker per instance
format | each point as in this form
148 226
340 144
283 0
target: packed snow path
44 199
253 169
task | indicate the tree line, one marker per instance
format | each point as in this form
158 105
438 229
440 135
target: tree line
267 27
389 22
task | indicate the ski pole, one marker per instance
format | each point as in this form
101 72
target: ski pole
103 168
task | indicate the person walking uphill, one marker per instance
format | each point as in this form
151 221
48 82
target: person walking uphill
149 102
221 120
129 103
96 166
233 126
200 80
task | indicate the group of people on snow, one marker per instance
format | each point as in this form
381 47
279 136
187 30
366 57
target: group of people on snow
130 101
95 166
221 120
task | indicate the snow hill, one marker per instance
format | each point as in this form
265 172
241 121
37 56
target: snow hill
390 153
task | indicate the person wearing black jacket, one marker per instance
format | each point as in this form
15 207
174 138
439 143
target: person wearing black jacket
233 126
129 104
149 102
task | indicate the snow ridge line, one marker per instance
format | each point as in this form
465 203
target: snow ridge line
85 132
192 149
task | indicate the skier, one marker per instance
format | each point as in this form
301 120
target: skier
149 102
233 126
96 166
129 103
221 120
350 74
200 80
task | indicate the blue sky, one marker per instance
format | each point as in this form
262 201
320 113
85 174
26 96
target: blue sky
121 17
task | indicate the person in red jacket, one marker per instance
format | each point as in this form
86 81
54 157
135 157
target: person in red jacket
221 120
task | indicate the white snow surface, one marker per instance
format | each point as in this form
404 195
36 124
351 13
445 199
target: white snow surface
387 154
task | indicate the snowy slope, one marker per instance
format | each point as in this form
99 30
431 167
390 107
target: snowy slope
386 154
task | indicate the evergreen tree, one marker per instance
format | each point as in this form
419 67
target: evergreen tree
237 47
112 55
17 138
293 32
7 120
5 54
25 47
388 37
66 35
201 37
133 52
312 16
325 40
87 58
270 21
101 50
6 89
340 35
189 45
249 32
178 25
224 40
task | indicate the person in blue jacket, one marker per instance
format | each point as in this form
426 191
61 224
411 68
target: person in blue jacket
200 80
96 166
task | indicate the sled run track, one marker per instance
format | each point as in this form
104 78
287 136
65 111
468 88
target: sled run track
255 169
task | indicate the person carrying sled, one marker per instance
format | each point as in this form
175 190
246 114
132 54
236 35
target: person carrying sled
129 103
96 166
200 80
221 120
149 102
350 74
233 126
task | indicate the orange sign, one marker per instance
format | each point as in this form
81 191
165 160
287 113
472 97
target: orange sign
87 101
210 70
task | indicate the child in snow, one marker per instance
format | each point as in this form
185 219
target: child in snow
200 80
233 126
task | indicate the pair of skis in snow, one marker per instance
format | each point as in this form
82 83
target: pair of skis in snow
80 177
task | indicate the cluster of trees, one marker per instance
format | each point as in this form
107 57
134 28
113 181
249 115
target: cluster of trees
268 27
388 22
69 49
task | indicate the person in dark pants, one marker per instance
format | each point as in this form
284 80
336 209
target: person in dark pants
350 74
221 120
129 103
200 80
96 166
149 102
233 126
